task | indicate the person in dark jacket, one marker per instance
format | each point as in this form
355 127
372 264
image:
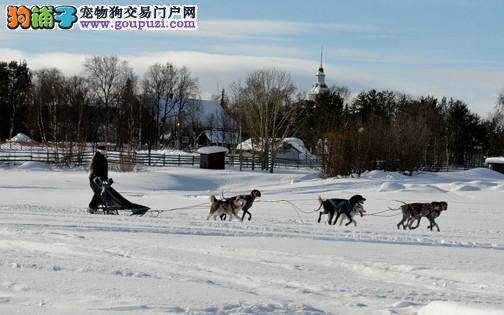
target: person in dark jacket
98 168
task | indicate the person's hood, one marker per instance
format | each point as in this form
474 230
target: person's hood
102 152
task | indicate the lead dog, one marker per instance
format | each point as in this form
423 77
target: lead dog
431 213
229 207
340 206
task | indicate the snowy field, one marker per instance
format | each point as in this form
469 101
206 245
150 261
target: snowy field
57 259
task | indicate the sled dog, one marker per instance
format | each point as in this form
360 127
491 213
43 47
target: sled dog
359 209
249 201
229 207
339 207
416 211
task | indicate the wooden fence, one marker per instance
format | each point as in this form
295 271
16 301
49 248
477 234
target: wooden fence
125 159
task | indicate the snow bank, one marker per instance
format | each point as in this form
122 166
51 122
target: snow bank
463 187
166 152
390 186
20 137
36 166
377 174
212 150
481 172
499 187
447 308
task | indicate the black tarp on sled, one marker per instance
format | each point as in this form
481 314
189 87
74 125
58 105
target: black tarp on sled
111 201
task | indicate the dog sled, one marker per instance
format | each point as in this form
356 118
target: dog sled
111 201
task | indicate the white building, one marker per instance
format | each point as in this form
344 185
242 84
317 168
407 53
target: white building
319 86
290 148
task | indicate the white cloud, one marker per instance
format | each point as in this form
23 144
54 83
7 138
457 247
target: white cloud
68 63
479 87
252 28
211 69
264 30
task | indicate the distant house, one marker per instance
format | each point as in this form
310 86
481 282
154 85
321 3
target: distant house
20 137
291 148
18 142
496 163
205 115
223 138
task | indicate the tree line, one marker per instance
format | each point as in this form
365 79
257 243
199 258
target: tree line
374 130
108 103
392 131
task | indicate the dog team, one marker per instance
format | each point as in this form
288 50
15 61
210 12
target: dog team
334 208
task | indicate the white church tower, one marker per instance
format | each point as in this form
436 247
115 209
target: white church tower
319 86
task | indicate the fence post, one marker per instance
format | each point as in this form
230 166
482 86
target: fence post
164 158
193 158
179 160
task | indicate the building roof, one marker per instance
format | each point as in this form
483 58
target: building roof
292 142
495 160
207 109
220 136
20 137
212 150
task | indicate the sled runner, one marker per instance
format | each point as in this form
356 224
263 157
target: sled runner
111 201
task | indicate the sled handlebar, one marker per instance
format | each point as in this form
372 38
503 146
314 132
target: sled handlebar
98 181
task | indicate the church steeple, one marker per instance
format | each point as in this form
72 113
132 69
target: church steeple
321 53
319 86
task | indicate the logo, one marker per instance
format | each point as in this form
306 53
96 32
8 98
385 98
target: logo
102 17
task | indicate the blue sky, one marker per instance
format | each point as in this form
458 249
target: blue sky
444 48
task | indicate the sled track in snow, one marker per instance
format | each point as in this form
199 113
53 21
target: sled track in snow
77 220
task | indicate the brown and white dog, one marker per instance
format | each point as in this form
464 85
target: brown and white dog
416 211
228 206
249 201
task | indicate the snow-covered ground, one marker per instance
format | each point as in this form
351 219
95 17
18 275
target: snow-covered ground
57 259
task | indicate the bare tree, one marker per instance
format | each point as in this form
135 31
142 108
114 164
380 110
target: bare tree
171 94
185 100
159 84
77 97
106 74
265 101
48 98
498 116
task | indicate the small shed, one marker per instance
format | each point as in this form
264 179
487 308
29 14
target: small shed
496 163
213 157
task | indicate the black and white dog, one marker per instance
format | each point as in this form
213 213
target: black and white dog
247 204
341 206
359 209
